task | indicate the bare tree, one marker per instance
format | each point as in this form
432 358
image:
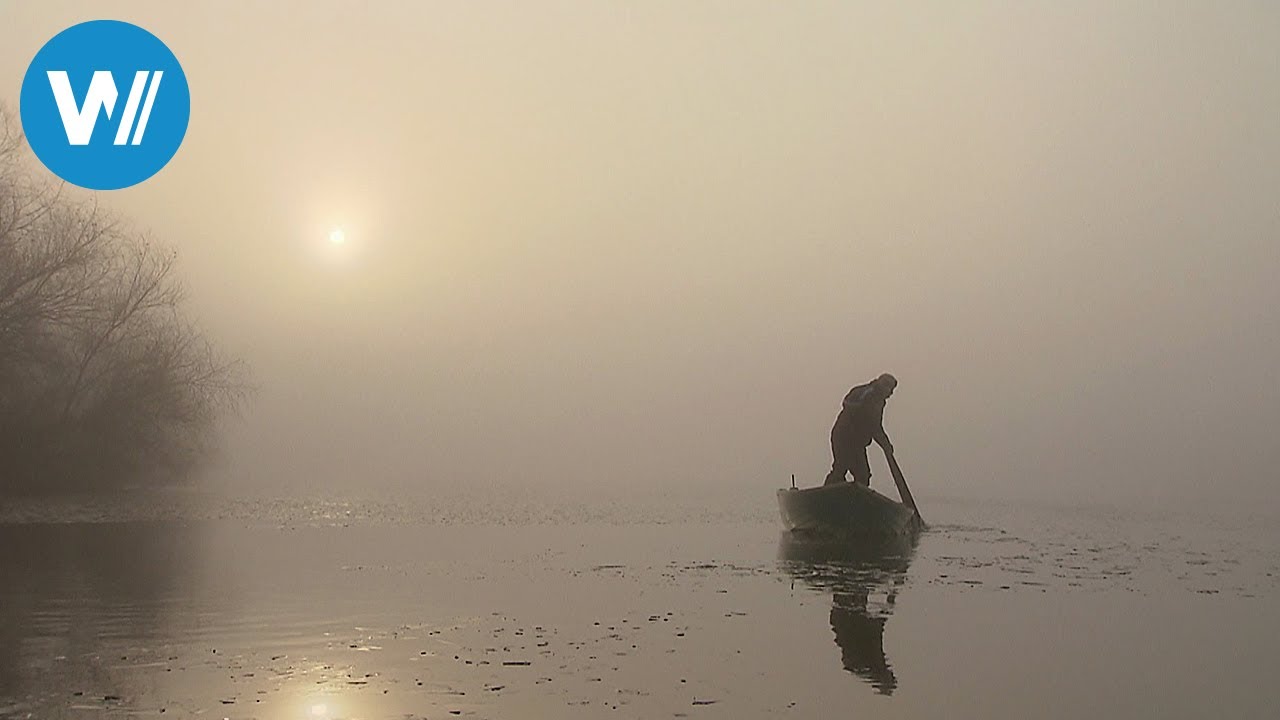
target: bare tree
101 377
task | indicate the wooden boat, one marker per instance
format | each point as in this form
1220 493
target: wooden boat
846 509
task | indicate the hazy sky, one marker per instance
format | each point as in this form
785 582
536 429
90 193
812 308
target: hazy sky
655 243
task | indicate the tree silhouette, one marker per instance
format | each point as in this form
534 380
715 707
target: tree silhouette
103 381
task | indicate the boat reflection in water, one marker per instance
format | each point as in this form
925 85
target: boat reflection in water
863 577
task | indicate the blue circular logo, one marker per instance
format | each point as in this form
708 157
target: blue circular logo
105 105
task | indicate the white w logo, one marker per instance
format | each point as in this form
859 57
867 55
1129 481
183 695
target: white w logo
102 95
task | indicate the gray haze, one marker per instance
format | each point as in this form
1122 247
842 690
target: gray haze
614 244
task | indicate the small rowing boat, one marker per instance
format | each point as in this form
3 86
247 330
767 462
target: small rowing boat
846 509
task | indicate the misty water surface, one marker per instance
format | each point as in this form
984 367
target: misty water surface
348 609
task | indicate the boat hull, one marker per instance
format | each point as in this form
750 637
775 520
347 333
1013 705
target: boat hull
847 510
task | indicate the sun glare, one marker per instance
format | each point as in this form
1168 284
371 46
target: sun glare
337 236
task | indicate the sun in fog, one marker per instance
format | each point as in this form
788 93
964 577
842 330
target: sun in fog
337 236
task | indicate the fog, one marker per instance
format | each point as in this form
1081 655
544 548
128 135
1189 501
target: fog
595 246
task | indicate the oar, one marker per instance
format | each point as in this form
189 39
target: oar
901 482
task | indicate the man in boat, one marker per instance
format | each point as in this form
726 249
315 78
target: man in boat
860 421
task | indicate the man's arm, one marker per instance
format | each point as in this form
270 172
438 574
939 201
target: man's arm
879 435
882 439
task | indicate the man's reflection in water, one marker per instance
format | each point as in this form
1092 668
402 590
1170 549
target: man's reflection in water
863 577
860 635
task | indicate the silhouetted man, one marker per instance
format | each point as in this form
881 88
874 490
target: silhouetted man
860 421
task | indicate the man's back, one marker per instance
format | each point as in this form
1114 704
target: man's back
862 412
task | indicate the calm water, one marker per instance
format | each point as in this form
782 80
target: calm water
527 608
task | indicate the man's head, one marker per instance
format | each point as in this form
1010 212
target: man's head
884 385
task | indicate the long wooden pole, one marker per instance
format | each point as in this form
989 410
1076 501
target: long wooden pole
901 482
